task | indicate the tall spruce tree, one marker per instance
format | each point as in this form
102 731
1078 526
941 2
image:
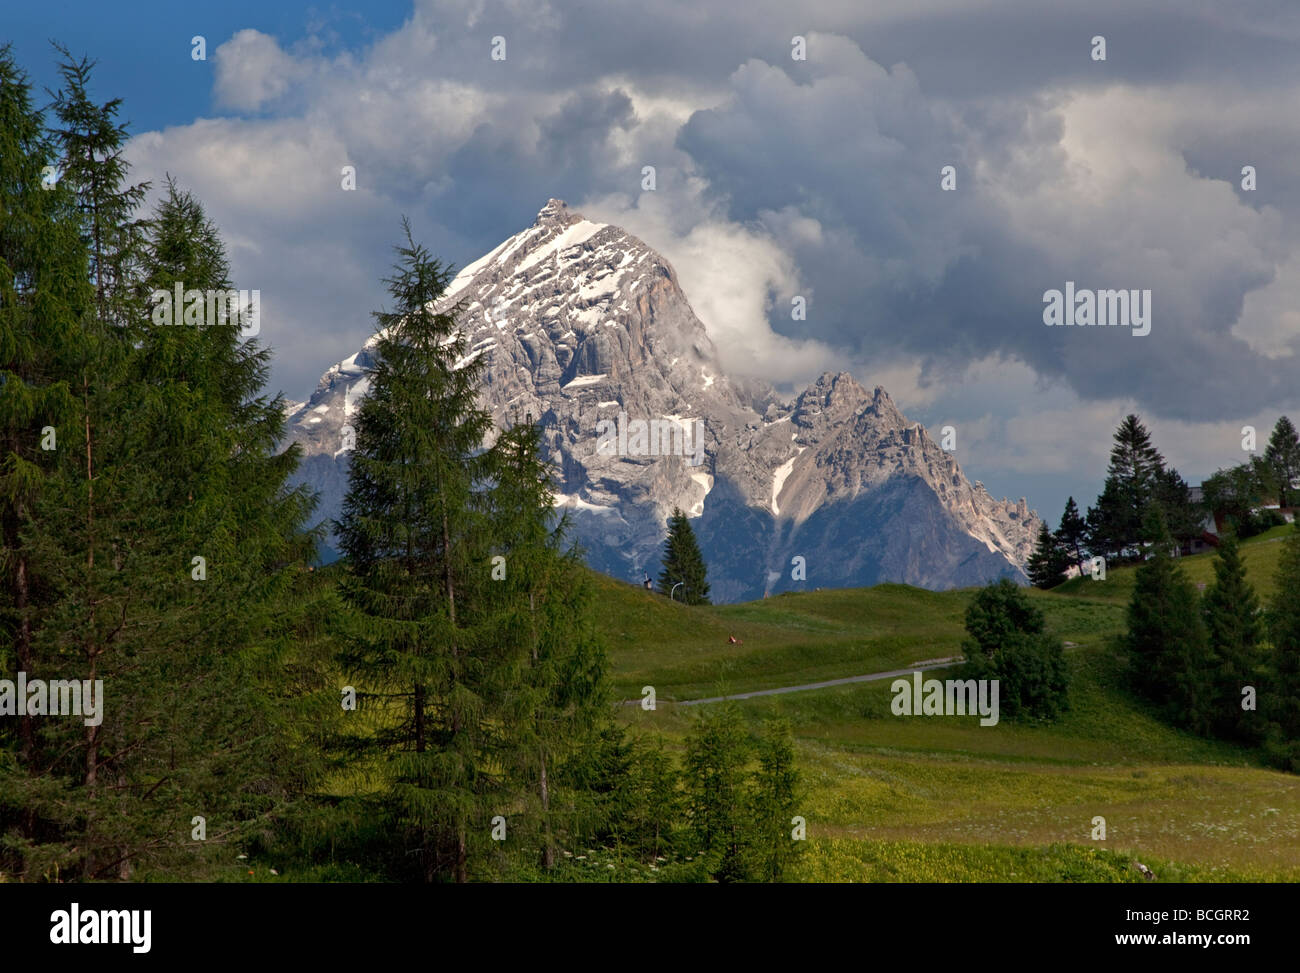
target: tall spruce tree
1115 525
1166 639
1049 560
1283 458
683 563
1281 701
1073 532
1236 637
417 538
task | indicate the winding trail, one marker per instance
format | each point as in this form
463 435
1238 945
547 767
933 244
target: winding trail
869 677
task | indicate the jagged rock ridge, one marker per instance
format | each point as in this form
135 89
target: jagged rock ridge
580 323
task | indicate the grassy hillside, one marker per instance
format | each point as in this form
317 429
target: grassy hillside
943 798
1259 554
801 637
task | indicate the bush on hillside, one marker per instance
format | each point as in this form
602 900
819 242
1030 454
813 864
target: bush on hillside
1006 640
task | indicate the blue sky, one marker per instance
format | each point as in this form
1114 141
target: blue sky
143 46
777 177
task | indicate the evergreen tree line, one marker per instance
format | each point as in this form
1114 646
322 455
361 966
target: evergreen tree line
149 539
1138 482
432 707
729 811
1219 664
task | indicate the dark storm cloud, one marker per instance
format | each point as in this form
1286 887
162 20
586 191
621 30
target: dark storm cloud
960 48
947 276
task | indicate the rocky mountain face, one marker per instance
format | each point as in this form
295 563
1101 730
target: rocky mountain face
585 328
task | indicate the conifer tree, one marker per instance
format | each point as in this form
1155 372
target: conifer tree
93 164
773 803
1174 496
92 167
1108 528
554 669
1166 638
1135 479
1281 704
416 536
185 466
1073 532
636 783
1134 461
602 776
654 801
1236 635
1047 564
44 299
682 562
1283 458
717 750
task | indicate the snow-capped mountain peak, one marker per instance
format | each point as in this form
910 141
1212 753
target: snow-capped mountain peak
585 326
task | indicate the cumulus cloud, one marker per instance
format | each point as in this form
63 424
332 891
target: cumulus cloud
252 71
955 276
733 276
819 178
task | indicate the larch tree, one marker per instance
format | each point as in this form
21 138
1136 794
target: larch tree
554 666
416 535
45 297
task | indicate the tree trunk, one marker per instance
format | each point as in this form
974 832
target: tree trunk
548 850
461 869
462 865
90 782
419 719
26 730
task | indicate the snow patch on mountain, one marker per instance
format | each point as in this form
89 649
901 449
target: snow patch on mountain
569 306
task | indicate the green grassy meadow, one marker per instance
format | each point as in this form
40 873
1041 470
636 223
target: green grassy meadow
893 798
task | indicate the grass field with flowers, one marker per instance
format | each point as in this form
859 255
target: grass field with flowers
892 798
